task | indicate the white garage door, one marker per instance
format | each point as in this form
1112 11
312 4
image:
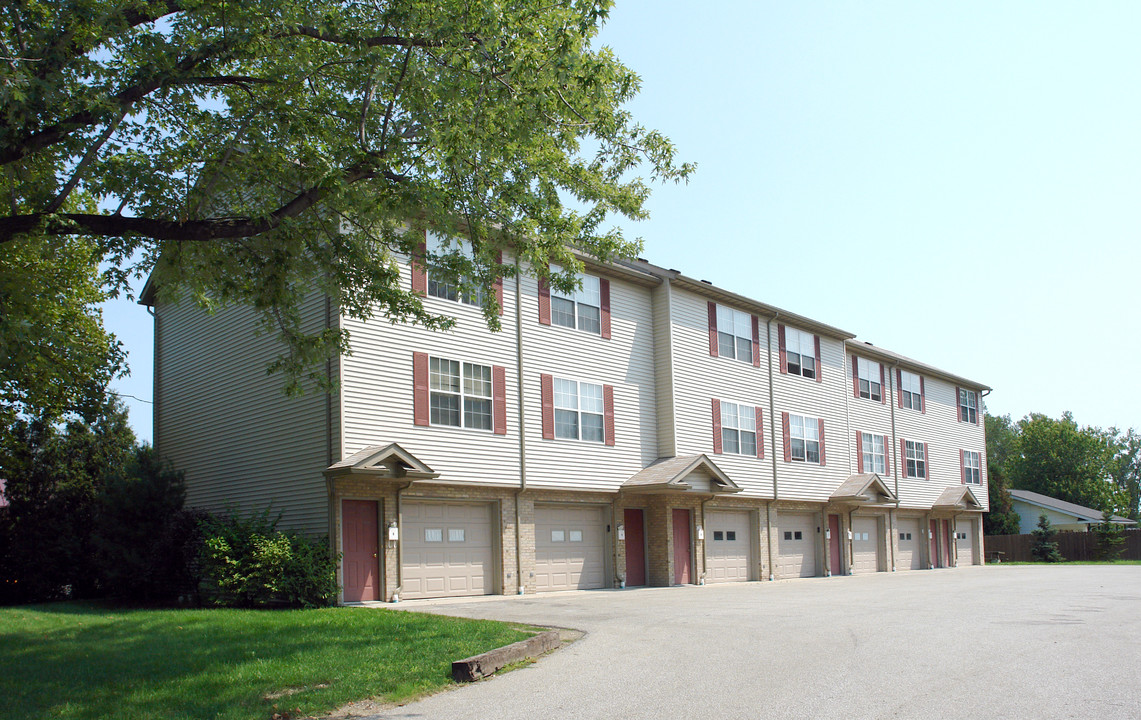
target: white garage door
966 542
447 549
727 543
796 539
865 545
909 557
570 547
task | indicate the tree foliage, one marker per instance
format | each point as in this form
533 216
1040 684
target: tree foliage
1127 471
1045 548
265 146
1109 540
1001 443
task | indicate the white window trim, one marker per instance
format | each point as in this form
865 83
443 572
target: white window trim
800 335
872 378
736 316
865 437
792 438
969 395
555 408
752 407
462 395
976 470
435 244
916 398
579 298
921 447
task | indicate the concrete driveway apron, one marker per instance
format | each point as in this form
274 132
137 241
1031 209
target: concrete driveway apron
1005 642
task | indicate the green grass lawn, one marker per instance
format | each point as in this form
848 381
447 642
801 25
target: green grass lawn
76 660
1072 562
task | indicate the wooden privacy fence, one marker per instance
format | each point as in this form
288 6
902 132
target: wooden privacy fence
1072 545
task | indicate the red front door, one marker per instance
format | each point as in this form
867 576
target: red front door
834 544
933 543
946 543
360 566
635 548
682 572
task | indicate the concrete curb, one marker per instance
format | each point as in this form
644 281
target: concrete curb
485 664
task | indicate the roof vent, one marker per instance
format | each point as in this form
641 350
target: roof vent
675 271
706 282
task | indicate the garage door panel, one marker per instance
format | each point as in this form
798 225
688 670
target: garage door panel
728 545
966 542
909 557
796 535
570 548
865 545
447 549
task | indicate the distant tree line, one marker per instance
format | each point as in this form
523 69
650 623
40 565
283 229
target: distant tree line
1087 465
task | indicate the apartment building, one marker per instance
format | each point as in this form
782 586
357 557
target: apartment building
650 429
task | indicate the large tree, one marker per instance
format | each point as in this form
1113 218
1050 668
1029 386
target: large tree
1001 444
264 146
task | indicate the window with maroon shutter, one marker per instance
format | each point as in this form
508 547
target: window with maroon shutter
872 452
462 289
910 390
499 399
579 410
869 379
547 398
915 458
805 439
459 394
717 447
800 352
580 309
971 464
735 334
738 428
608 412
968 405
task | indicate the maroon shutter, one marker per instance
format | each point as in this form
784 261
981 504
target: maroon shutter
787 437
783 350
419 270
608 409
604 310
903 457
547 396
886 455
760 415
498 400
859 452
712 329
855 377
926 461
716 426
820 426
922 396
883 387
756 341
419 388
544 301
962 467
499 283
899 387
819 368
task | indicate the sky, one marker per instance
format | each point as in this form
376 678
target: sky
956 182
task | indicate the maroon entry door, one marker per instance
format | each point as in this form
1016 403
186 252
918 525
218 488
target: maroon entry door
682 570
834 544
933 543
359 565
635 547
946 543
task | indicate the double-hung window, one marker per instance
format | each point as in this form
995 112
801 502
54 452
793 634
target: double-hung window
440 285
916 459
800 352
868 377
972 467
968 406
459 394
873 453
579 411
734 334
804 436
581 309
910 390
738 428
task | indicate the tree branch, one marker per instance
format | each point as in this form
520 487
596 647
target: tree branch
61 197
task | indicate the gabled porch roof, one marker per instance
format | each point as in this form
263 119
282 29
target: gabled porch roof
671 475
864 489
383 462
957 498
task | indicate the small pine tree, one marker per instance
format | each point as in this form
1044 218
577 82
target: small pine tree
1045 549
1108 538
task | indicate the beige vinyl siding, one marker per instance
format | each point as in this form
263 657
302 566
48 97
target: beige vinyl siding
229 426
663 369
377 386
945 435
804 396
700 378
625 361
869 416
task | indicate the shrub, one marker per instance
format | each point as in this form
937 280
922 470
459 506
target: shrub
1109 541
247 562
1045 549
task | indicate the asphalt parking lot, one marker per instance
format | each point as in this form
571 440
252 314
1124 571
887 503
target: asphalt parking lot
995 642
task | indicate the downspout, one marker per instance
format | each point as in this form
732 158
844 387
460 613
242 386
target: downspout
772 437
888 451
522 428
399 543
704 543
851 542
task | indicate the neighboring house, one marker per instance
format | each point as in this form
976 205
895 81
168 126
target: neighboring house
1064 516
651 429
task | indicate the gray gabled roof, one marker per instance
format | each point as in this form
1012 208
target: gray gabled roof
1083 513
384 461
670 474
958 498
863 488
